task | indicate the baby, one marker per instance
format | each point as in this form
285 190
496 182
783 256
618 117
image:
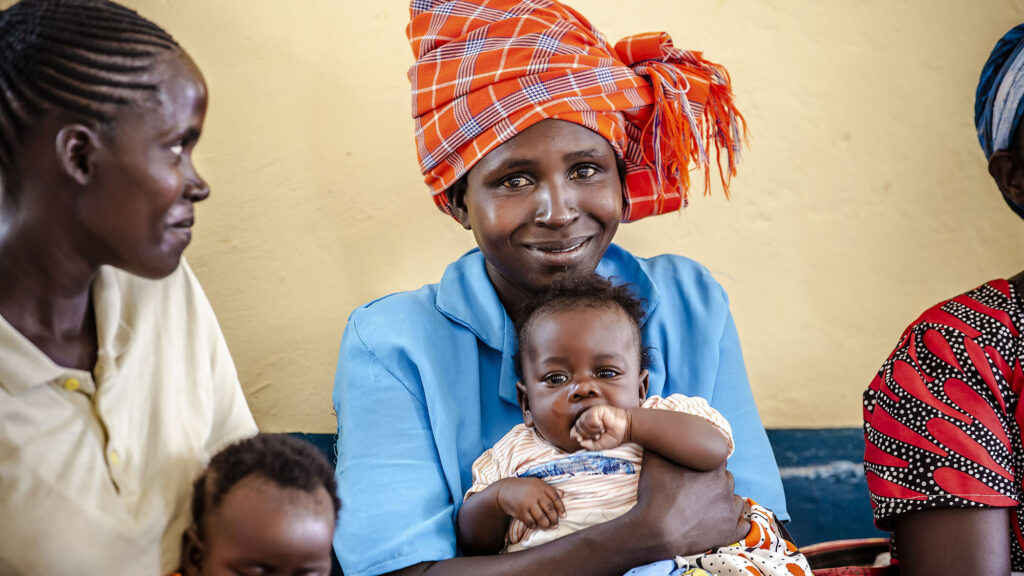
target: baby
266 505
575 460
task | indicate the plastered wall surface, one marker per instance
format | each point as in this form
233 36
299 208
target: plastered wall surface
863 199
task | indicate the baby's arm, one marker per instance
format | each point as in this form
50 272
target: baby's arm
686 439
484 516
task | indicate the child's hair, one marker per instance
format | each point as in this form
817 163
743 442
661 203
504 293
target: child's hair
578 291
284 460
80 56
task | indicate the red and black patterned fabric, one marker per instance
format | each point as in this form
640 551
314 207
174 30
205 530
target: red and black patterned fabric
942 419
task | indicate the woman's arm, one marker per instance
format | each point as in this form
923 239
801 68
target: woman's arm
954 541
678 511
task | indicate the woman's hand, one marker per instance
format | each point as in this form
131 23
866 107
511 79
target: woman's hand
601 428
678 511
688 512
531 501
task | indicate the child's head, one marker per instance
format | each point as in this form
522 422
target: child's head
580 345
99 111
266 505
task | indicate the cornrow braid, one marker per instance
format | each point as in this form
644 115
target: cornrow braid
80 56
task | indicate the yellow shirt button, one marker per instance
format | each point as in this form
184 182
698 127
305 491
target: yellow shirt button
114 458
71 384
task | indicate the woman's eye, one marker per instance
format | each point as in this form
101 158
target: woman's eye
178 149
556 379
514 182
582 172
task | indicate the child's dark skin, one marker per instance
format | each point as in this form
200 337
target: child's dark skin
263 529
582 389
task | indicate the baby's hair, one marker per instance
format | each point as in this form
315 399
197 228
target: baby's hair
80 56
578 291
282 459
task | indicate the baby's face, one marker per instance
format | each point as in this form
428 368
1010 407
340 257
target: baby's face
262 529
575 359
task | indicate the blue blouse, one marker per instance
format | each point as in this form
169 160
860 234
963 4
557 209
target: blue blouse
426 382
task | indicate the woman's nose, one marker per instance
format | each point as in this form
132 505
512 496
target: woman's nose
557 205
196 188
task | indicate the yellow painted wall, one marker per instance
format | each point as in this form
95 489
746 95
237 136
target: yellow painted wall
863 199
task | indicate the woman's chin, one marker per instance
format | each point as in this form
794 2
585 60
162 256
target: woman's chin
156 266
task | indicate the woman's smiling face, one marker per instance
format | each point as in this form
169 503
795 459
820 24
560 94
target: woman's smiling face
139 212
546 202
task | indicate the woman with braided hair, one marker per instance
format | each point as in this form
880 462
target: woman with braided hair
540 137
115 381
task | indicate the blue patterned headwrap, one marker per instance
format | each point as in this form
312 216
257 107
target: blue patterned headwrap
999 102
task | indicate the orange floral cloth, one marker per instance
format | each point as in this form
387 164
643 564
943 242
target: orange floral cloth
488 69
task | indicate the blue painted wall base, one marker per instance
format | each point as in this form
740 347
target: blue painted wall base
826 491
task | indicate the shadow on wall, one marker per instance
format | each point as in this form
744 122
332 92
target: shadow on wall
822 473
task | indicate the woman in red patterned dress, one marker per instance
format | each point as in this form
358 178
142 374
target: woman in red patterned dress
942 419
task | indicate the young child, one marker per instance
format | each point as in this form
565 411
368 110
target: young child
266 505
575 460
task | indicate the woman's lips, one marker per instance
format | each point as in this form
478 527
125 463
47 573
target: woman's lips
560 253
187 223
182 229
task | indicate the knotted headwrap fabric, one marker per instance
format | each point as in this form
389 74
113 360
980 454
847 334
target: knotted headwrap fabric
488 69
999 102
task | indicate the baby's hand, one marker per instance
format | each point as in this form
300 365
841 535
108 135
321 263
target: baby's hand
531 501
601 428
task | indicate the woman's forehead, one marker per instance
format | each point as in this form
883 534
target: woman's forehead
178 98
175 73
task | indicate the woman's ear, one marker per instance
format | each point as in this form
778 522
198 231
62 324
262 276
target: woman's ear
191 553
645 377
76 151
457 200
524 404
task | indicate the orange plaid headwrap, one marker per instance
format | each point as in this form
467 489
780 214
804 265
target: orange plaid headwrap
488 69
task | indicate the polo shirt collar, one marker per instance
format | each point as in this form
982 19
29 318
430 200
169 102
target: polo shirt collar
24 366
109 305
467 297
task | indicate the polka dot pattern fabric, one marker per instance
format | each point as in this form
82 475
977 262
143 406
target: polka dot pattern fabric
942 418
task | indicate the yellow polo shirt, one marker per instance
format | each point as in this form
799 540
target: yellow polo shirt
96 468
